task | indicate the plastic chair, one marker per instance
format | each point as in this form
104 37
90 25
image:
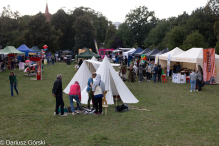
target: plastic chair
163 79
188 79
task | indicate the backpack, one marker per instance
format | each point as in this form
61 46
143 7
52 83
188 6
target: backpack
123 70
98 92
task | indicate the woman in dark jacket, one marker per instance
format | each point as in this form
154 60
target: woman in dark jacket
13 82
199 78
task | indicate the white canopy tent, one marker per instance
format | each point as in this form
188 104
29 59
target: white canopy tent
194 57
109 76
128 52
163 57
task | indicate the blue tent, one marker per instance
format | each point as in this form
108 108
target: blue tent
137 51
25 49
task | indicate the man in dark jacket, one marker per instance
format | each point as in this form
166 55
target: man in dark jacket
155 72
57 92
159 72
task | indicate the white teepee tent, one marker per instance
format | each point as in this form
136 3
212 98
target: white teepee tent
113 83
82 76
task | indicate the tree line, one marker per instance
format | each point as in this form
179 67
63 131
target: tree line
78 28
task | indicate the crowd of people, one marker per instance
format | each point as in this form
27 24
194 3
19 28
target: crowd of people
141 70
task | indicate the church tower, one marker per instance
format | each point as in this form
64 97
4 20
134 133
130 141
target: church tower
47 14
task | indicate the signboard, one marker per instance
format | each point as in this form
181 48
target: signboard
168 65
209 66
83 50
21 66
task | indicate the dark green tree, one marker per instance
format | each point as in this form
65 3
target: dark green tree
8 27
194 40
39 33
141 21
110 36
125 33
60 21
84 33
204 23
176 37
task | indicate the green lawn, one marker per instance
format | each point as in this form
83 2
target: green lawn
176 116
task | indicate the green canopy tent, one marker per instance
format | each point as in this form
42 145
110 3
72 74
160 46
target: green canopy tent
88 54
11 50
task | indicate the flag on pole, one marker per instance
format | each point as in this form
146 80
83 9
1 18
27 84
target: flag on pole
95 43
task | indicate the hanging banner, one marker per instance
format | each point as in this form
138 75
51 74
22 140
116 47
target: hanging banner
156 59
209 66
39 70
21 66
168 65
95 43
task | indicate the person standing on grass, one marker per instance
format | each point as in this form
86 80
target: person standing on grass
75 92
57 92
13 83
89 90
199 78
155 73
53 60
159 72
3 66
12 64
98 90
122 72
140 71
193 78
126 60
148 70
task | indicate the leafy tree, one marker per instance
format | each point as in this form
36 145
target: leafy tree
125 33
8 25
110 36
117 43
194 40
217 48
141 21
84 33
60 21
176 37
157 34
204 23
39 33
99 22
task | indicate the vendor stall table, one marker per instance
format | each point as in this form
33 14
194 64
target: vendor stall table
178 78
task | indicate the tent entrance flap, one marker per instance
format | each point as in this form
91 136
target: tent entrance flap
90 67
113 85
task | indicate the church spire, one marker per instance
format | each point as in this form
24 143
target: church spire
47 9
47 14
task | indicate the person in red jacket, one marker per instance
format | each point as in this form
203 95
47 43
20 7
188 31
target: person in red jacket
75 92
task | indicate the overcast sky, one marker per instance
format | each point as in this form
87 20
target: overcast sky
114 10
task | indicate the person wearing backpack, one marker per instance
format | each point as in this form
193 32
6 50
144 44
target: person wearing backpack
13 82
98 90
148 70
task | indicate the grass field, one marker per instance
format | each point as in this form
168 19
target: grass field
176 116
